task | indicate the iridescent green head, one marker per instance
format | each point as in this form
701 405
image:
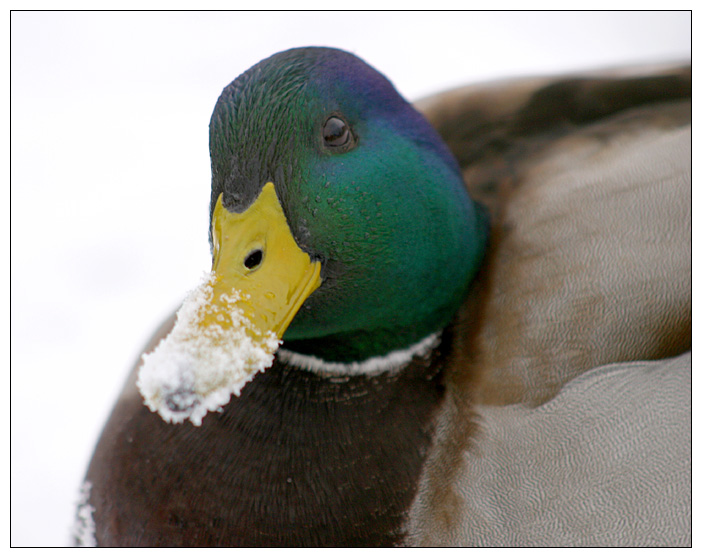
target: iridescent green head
368 189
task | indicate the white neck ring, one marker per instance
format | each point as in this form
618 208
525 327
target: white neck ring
392 362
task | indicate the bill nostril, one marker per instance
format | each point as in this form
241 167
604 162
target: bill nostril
254 259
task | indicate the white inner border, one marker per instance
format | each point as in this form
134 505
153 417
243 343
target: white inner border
392 362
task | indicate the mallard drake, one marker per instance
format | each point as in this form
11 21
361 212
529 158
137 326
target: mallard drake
486 321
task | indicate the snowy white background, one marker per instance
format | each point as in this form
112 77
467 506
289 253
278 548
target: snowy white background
110 181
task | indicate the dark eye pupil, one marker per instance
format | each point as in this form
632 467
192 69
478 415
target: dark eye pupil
253 259
336 132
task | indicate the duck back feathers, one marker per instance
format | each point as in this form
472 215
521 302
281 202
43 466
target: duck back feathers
589 264
590 256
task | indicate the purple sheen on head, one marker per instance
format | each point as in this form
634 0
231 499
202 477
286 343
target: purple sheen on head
343 77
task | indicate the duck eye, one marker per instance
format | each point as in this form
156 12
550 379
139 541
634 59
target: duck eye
336 132
254 258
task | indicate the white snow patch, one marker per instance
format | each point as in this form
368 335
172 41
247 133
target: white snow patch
392 362
197 368
84 526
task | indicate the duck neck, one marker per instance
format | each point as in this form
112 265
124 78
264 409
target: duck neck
402 277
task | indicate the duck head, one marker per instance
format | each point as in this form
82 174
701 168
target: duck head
328 184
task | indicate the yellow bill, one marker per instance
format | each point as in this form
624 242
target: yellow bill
229 328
